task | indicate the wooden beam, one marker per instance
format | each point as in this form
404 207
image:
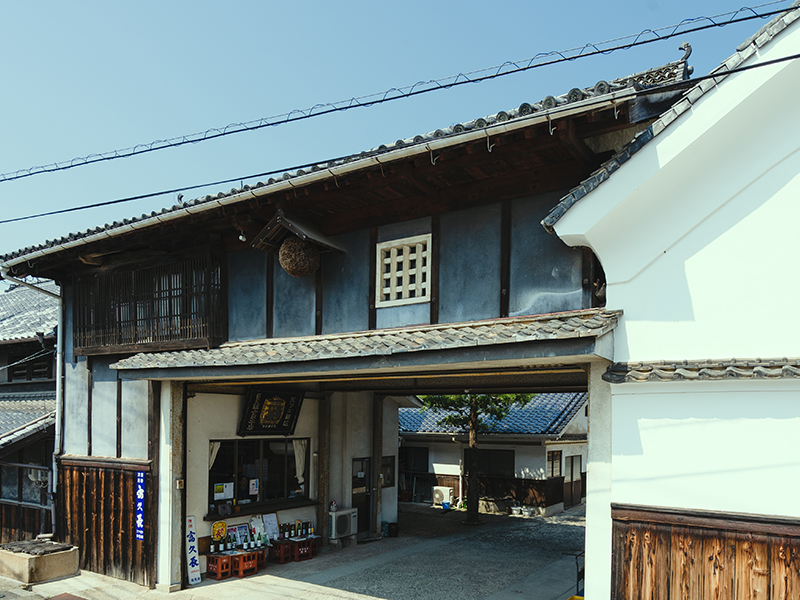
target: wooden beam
576 146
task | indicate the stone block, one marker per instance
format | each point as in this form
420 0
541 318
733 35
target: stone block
28 568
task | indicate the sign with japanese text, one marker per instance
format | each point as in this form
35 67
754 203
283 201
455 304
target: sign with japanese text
192 555
267 413
139 505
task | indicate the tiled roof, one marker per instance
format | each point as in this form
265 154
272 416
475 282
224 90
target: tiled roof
745 51
583 323
550 106
545 414
19 409
783 368
32 428
24 312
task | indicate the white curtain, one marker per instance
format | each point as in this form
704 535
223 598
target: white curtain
213 449
300 451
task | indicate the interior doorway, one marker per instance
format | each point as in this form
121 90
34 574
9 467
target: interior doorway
362 492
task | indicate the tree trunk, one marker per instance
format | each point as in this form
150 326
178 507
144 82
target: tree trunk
472 475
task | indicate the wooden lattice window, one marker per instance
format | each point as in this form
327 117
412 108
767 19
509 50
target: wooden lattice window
159 307
403 271
554 463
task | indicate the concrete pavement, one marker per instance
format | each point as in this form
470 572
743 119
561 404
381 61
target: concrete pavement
434 556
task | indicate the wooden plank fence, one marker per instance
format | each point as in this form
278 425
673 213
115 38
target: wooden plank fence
97 513
18 523
664 554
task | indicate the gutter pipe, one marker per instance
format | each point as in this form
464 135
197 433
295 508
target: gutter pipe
58 443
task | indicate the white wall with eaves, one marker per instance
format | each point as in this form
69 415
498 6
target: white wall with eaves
696 233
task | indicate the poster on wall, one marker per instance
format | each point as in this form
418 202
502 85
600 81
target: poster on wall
268 413
192 555
271 525
223 491
139 500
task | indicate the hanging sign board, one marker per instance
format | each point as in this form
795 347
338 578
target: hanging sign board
192 555
267 413
139 500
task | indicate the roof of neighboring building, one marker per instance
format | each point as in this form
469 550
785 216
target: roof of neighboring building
25 312
18 410
545 414
576 324
38 425
703 370
576 100
745 51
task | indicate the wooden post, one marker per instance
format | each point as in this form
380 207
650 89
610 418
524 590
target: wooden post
377 456
323 466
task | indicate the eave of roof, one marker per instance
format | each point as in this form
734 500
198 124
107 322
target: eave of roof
29 429
556 326
703 370
744 52
527 115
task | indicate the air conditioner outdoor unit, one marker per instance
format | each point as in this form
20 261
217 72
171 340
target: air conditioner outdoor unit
442 494
342 523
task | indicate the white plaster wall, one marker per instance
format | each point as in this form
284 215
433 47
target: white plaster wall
579 424
444 458
719 446
710 208
570 449
134 419
215 417
530 462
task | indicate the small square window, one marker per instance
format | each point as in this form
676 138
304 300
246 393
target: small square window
403 275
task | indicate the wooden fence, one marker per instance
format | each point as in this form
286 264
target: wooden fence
671 555
97 513
18 523
528 492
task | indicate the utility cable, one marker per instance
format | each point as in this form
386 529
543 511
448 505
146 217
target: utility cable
588 104
421 87
38 354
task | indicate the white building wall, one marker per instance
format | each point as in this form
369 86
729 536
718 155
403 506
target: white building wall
530 462
391 427
726 445
696 234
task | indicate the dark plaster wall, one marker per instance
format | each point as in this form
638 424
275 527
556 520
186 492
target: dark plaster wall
469 266
247 295
546 274
294 310
404 229
345 290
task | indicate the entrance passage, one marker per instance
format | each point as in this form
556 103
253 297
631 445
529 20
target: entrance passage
362 491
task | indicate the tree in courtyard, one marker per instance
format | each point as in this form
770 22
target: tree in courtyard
474 412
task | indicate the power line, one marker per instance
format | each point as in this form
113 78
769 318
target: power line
421 87
656 90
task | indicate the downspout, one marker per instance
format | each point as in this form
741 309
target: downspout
58 442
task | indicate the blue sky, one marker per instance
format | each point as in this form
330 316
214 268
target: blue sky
89 77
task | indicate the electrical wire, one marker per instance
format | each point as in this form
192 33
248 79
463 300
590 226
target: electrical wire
34 356
421 87
588 104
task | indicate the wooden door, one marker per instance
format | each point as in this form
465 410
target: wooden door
362 496
572 480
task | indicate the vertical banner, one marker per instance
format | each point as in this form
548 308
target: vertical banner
140 506
192 556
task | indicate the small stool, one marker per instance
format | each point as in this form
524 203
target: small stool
244 564
280 551
301 550
218 566
262 557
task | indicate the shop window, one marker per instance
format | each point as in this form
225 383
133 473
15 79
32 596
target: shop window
403 271
158 307
387 470
494 463
554 463
245 472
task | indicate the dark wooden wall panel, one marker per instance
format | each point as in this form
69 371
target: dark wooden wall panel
666 554
18 523
98 515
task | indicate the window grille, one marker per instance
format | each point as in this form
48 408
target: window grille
403 271
176 305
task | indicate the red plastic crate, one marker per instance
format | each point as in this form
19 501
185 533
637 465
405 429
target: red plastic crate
218 566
